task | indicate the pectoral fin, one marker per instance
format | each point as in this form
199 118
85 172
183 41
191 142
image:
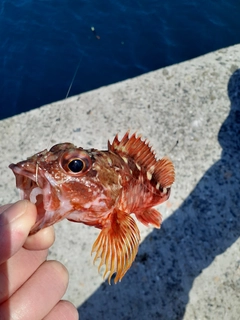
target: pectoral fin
117 245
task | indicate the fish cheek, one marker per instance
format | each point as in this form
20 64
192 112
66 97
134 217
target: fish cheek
78 194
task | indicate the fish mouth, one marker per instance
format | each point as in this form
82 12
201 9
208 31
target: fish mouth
30 183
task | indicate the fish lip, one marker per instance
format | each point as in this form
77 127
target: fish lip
29 183
21 171
29 171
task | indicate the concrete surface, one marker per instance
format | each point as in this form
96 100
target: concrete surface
190 268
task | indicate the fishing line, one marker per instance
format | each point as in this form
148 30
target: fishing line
69 88
75 73
173 147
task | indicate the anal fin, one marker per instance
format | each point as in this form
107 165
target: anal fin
117 245
150 216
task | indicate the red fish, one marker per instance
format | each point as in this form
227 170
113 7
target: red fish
100 189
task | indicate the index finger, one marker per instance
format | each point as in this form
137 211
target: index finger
15 223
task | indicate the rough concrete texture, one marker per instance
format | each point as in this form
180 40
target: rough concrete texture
190 268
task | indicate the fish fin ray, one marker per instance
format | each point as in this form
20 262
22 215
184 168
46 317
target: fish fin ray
117 245
164 172
135 148
150 216
160 171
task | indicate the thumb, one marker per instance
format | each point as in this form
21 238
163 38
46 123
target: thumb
15 224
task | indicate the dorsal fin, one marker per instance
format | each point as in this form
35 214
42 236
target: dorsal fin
135 148
160 171
164 172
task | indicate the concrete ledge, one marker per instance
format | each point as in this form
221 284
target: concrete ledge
190 268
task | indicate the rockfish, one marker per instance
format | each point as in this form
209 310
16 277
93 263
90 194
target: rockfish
100 189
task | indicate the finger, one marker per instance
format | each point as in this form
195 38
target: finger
41 240
4 207
36 298
15 224
64 310
18 269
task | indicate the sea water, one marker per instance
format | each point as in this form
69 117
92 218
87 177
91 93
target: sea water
46 44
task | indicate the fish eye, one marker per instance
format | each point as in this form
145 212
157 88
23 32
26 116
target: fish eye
76 165
75 162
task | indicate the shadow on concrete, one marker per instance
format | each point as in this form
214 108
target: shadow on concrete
207 223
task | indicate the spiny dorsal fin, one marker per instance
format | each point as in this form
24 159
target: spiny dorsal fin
135 148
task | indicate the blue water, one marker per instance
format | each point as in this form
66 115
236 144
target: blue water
42 43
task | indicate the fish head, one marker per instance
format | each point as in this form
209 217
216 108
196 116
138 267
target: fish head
65 181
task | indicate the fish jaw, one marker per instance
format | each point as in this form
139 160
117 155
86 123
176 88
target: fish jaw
26 179
33 186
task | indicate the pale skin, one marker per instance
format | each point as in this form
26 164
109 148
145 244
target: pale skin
31 287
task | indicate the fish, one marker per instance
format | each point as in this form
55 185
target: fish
104 189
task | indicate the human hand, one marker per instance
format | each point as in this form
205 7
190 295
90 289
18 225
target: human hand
30 286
